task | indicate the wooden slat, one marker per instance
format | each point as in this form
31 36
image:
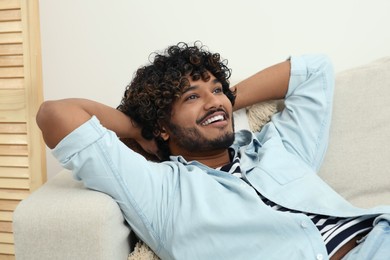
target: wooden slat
7 257
11 72
14 172
11 83
13 161
6 226
7 249
10 15
6 215
9 4
13 128
11 61
10 149
9 204
12 115
8 38
12 99
7 27
6 238
8 183
20 139
8 194
12 106
11 49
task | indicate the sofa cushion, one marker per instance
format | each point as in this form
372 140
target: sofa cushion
357 163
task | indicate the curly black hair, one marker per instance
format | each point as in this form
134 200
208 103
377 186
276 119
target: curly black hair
149 97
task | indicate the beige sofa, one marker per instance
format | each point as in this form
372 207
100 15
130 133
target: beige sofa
63 220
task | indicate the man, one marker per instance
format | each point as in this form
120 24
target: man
216 195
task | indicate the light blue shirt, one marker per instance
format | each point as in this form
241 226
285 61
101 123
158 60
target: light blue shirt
190 211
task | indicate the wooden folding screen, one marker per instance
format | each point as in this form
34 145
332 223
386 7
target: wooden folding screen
22 160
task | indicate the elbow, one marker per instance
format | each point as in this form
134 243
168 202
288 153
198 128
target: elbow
45 114
47 119
40 116
56 119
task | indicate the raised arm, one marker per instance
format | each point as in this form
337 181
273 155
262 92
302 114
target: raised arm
57 119
303 125
268 84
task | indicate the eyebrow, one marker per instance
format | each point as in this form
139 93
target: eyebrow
190 88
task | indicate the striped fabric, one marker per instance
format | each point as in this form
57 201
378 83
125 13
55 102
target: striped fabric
335 231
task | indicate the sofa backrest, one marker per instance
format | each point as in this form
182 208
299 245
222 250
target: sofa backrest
357 163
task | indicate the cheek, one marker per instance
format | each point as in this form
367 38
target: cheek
228 105
187 113
189 119
183 117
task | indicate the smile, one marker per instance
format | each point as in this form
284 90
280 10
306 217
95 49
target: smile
213 119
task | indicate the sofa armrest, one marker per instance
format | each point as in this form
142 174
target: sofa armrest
64 220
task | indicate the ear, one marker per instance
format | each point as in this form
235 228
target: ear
164 134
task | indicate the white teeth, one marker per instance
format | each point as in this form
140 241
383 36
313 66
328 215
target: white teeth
212 119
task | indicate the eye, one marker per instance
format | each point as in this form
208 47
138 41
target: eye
218 90
191 97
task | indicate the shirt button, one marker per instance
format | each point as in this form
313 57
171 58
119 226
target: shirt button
320 257
303 224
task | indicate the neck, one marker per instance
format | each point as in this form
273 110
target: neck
212 160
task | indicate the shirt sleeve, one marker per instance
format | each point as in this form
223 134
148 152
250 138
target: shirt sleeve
142 189
304 123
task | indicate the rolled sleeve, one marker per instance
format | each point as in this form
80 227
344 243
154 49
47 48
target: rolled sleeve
77 141
304 123
97 157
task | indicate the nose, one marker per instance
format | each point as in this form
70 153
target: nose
212 101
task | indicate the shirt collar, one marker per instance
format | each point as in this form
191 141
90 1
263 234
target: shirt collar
242 138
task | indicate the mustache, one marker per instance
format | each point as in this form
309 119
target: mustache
210 112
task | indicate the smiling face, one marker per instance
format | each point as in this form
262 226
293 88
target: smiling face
201 120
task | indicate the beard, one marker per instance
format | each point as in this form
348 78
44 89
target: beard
190 139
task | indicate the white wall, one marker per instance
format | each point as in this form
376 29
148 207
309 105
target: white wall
91 48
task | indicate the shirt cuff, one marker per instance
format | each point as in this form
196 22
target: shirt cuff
79 139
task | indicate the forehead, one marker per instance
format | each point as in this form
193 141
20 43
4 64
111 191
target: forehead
193 84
